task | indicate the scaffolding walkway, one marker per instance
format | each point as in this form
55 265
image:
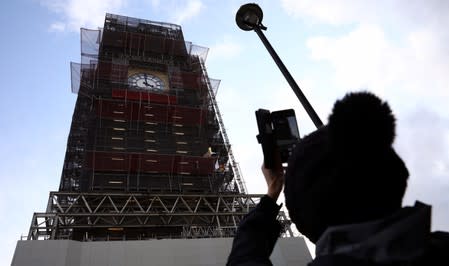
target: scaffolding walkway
235 167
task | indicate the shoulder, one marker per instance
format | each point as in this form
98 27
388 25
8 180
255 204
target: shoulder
439 245
437 252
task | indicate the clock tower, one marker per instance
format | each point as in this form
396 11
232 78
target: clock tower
147 155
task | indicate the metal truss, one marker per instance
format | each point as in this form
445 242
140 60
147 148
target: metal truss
200 215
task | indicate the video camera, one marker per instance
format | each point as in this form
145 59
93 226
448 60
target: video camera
278 132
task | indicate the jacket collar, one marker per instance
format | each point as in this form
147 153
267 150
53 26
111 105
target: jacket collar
399 237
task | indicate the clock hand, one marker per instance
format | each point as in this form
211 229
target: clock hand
148 84
146 81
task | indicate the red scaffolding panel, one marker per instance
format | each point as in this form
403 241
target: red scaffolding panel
159 113
150 163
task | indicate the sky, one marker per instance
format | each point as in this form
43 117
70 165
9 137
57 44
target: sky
396 49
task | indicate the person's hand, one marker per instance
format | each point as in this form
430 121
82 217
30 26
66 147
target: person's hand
275 180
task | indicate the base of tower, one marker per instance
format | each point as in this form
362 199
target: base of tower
207 251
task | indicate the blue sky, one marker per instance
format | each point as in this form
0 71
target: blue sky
397 49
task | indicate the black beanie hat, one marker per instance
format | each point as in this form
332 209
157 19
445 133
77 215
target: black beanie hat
347 171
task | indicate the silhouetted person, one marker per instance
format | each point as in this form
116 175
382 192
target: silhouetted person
344 186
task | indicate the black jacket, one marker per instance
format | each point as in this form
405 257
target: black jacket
404 238
256 235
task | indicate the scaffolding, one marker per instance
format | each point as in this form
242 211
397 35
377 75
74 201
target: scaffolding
143 162
157 141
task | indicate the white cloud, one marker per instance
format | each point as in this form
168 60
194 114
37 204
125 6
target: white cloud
358 58
400 51
396 48
57 26
397 14
365 58
190 10
82 13
331 11
226 49
424 146
155 3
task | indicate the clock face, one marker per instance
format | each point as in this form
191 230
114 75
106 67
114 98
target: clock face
146 81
